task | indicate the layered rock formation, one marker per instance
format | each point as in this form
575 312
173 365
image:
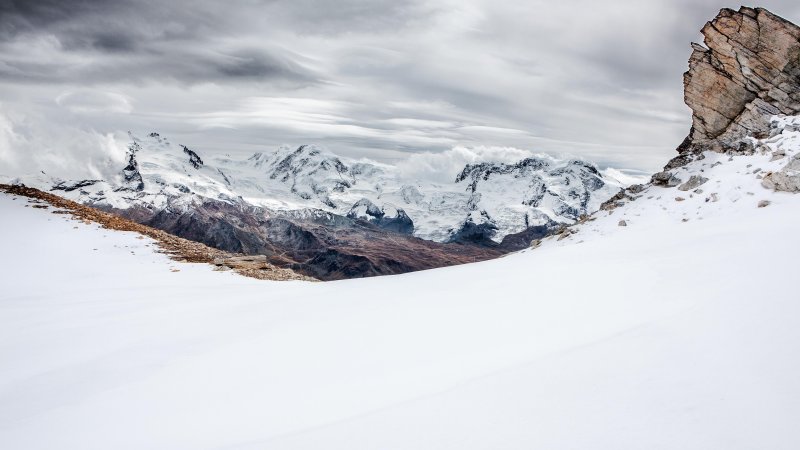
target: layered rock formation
748 72
743 87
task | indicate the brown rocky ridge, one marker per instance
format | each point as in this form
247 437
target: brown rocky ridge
176 248
324 246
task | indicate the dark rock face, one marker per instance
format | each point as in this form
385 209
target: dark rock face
69 187
365 208
194 158
132 178
749 72
316 243
523 239
481 234
369 212
475 233
400 223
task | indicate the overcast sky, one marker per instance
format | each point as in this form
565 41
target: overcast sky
380 79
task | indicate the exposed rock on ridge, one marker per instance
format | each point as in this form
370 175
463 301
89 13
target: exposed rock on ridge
749 72
399 222
132 177
194 158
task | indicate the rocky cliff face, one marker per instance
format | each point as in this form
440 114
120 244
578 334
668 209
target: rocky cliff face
747 72
743 87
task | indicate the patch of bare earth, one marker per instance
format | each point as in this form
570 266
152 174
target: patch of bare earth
176 248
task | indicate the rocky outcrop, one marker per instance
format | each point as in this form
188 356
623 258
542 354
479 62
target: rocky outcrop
694 182
71 186
524 239
131 177
748 71
194 158
787 179
255 262
479 232
665 178
395 219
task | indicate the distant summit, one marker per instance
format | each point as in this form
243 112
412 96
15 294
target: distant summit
331 217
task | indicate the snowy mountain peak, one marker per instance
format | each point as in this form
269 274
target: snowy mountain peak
304 159
508 197
547 190
482 171
311 173
132 179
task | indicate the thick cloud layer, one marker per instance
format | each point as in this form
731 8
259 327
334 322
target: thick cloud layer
378 79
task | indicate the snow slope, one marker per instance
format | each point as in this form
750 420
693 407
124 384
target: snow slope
662 334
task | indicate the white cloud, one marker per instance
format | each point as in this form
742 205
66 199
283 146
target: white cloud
10 144
95 101
626 177
30 146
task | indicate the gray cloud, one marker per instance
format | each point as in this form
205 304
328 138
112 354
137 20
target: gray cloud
162 66
379 78
348 16
100 42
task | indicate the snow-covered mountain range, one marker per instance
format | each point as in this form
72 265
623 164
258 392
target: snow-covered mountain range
683 325
486 200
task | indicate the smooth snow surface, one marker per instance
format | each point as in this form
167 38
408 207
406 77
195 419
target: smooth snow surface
664 334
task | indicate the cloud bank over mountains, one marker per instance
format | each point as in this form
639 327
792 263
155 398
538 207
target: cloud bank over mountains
375 79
